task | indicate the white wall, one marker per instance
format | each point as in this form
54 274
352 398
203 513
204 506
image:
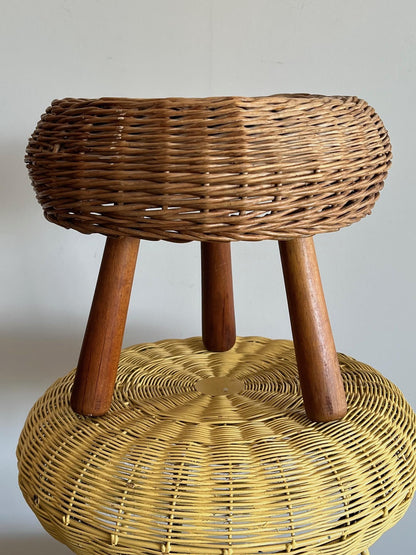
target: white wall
56 48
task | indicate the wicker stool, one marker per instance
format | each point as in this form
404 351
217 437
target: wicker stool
178 465
282 167
206 447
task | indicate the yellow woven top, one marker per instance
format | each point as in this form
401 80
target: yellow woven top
211 453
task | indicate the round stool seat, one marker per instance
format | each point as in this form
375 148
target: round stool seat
211 453
209 169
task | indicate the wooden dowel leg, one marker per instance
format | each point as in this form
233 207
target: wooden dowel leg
100 351
218 320
319 372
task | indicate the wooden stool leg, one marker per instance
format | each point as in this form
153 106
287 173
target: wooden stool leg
100 351
218 320
316 356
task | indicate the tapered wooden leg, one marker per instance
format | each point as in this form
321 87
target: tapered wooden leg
100 351
317 360
218 320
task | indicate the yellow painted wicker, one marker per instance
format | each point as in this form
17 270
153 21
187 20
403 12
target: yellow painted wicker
211 453
209 169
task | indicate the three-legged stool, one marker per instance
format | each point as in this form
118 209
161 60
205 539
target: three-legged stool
215 170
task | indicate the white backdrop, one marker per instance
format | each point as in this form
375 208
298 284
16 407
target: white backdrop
56 48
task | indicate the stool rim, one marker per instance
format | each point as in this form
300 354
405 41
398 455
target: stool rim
203 99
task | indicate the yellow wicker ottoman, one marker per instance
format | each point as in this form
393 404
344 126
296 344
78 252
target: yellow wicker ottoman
212 453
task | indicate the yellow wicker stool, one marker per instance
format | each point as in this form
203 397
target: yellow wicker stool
211 453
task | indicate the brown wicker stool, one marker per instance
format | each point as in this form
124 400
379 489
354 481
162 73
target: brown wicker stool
215 170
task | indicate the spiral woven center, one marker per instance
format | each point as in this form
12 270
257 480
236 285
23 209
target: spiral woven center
219 386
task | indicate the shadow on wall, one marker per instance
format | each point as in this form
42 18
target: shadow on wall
34 357
18 209
39 544
37 357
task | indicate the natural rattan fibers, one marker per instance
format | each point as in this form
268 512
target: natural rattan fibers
211 453
210 169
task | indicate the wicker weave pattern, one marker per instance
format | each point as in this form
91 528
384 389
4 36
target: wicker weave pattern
172 470
222 169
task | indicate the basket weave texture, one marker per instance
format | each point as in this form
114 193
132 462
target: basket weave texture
211 453
210 169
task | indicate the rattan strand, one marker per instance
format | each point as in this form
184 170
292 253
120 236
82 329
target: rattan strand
173 470
212 169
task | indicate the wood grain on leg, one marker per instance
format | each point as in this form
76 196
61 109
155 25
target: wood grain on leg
319 372
218 320
100 351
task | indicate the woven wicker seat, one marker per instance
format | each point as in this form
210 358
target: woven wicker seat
211 453
212 169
